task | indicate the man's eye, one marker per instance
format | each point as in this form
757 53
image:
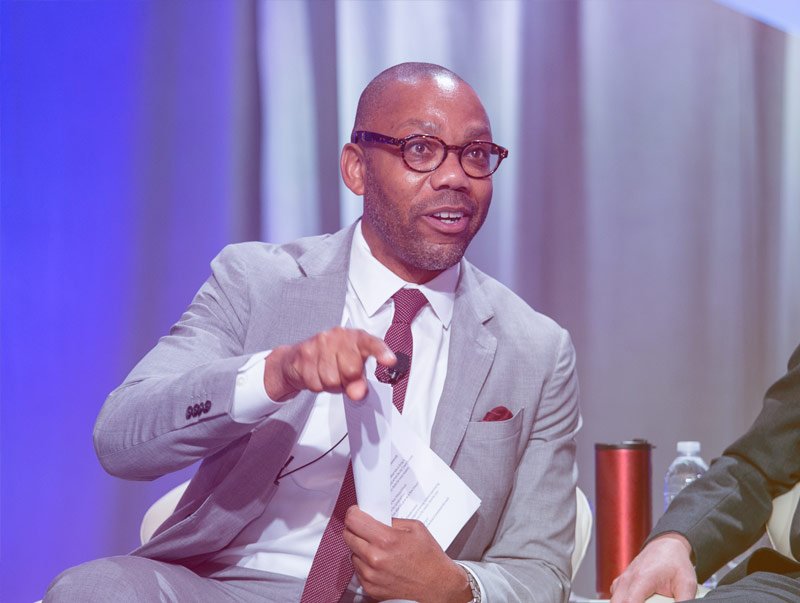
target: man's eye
419 148
478 155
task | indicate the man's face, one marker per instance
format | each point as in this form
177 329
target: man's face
418 224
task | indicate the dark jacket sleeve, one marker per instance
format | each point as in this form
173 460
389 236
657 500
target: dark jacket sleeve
726 511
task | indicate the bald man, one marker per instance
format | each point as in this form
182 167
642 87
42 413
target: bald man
250 382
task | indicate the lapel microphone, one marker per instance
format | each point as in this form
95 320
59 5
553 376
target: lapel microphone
392 376
395 373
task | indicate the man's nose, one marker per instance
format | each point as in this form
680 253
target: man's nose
450 174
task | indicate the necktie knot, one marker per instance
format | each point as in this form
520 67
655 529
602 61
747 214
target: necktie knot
407 303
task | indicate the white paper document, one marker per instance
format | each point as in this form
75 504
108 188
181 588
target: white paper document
397 475
369 431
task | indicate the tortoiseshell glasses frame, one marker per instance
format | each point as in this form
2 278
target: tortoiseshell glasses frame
425 153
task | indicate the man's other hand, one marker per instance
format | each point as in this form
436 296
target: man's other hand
402 561
663 567
331 361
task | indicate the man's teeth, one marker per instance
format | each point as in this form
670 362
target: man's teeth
449 217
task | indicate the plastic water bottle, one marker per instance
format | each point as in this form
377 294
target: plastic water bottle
686 468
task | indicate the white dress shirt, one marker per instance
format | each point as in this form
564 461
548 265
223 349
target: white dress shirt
285 538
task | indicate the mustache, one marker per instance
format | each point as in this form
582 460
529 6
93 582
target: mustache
452 199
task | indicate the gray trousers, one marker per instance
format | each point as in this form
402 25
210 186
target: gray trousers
130 579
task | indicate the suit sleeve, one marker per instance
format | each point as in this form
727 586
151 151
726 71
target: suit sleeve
725 511
174 407
529 557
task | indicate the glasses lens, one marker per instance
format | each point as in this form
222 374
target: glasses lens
480 159
423 154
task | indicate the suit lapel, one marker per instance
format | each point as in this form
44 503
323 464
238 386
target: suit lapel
472 351
313 302
307 303
311 305
308 306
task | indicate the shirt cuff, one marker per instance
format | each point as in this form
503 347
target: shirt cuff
484 598
250 400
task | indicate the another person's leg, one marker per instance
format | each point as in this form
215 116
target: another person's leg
760 587
131 579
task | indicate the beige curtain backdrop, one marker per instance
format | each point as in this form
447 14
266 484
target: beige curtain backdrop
650 202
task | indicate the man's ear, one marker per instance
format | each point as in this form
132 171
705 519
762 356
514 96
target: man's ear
353 168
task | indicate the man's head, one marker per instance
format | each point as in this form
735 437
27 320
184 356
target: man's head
418 223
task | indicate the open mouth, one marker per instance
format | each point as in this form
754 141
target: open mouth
449 217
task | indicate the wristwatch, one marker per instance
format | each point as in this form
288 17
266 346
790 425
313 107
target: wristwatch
474 587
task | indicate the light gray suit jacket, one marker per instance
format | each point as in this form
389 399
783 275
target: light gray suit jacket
174 409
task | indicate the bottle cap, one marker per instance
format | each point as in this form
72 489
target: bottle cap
689 448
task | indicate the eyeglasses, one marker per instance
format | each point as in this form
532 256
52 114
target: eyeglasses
425 153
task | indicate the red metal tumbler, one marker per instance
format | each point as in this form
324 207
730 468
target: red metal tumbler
622 506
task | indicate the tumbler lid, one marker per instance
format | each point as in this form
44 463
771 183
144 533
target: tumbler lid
634 444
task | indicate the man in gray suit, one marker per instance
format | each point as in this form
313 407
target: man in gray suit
724 512
250 380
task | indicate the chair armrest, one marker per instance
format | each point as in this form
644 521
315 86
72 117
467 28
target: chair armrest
779 526
159 511
583 530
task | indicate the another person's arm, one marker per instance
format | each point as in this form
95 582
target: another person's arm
724 512
663 567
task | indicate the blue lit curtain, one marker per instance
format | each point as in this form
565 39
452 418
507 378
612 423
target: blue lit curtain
651 204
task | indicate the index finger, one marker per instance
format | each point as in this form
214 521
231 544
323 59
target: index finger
369 345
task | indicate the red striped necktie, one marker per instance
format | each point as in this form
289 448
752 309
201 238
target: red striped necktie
331 569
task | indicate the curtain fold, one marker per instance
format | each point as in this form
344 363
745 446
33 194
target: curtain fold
650 204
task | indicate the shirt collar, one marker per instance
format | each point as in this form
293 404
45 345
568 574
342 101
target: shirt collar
374 283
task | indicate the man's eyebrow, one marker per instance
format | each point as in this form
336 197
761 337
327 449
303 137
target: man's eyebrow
473 133
424 126
479 132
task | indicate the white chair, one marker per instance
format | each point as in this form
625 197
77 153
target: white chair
779 526
583 530
159 511
164 506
